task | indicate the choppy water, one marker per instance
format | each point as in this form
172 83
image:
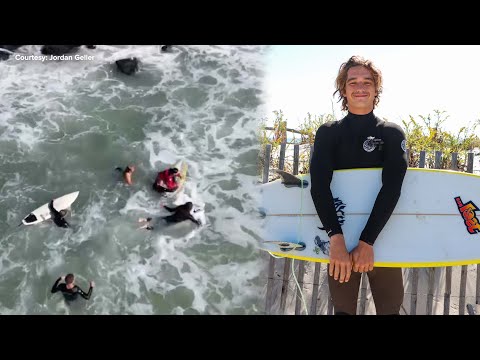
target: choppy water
65 126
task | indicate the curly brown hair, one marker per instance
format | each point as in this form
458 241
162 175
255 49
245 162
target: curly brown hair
341 80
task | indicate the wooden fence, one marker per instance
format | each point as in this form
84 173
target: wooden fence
427 290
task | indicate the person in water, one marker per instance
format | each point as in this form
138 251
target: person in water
69 290
127 173
180 213
166 180
58 216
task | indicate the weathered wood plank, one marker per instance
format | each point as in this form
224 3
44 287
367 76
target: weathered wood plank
299 292
432 271
330 305
414 271
448 290
316 277
463 290
448 269
296 157
286 277
464 273
281 160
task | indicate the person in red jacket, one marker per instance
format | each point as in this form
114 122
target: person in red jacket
166 180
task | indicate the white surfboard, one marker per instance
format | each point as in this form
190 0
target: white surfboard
43 213
182 168
434 223
198 214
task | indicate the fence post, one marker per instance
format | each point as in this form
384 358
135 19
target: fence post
301 264
414 272
448 269
271 264
463 276
431 271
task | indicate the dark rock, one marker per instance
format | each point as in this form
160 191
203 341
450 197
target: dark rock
4 55
127 66
58 50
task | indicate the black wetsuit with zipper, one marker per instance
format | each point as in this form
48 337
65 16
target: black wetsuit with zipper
358 141
361 141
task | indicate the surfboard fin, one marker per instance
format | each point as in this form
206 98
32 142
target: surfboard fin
292 246
288 246
290 180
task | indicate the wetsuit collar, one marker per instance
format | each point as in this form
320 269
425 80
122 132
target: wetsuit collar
370 115
360 120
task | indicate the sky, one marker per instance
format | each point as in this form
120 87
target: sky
417 79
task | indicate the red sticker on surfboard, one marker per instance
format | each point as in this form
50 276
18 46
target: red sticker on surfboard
467 211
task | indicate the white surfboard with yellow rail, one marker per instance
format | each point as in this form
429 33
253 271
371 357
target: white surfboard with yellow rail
435 222
182 167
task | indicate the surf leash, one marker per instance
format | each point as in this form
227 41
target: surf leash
299 235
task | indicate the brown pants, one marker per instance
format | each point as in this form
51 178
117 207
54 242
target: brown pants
387 291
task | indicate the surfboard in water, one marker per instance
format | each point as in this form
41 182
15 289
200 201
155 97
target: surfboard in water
182 168
434 223
43 212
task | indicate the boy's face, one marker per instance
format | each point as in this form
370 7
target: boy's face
360 90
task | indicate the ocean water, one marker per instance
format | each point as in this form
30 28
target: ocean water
66 125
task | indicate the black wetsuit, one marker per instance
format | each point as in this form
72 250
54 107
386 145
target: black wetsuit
57 217
182 213
361 141
349 144
71 294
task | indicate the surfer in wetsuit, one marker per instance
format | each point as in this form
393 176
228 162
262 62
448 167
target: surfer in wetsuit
58 216
359 140
69 290
181 213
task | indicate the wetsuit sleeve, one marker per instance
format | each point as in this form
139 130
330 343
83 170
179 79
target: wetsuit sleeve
52 209
55 288
321 172
194 220
394 170
86 296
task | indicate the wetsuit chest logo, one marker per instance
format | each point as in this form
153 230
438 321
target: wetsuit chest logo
371 143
